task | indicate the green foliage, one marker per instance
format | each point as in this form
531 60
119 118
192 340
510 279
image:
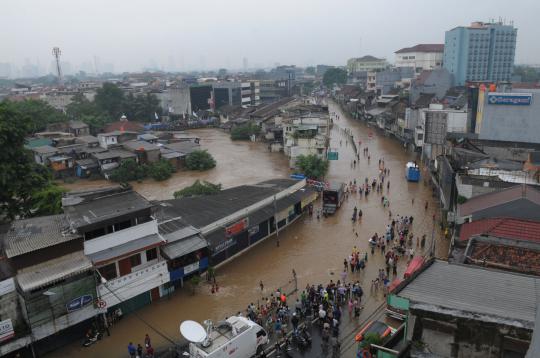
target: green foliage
245 131
200 160
527 73
129 170
461 199
161 170
371 338
141 107
198 189
48 201
110 99
334 76
312 166
195 281
25 184
310 70
39 113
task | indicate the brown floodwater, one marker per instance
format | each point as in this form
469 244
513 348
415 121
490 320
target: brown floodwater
314 248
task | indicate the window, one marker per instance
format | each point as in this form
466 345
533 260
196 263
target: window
108 272
151 254
135 260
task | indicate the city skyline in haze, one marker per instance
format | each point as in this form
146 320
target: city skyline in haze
183 36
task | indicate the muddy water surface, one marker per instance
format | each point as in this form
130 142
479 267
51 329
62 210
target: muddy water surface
314 248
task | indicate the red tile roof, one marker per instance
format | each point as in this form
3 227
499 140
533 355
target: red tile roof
496 198
508 228
124 126
423 48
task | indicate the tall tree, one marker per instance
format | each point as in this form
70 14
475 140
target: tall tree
110 99
334 76
312 166
39 114
20 177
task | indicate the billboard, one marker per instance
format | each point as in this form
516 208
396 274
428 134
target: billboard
511 99
236 228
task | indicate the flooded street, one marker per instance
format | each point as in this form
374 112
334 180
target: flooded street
314 248
237 163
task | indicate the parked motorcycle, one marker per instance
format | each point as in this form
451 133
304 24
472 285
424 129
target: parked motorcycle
92 337
303 332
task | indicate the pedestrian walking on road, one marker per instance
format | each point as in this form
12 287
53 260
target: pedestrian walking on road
132 350
147 342
261 285
139 351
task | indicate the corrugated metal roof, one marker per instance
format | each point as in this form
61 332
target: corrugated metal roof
33 234
488 200
183 247
475 293
52 271
126 249
86 211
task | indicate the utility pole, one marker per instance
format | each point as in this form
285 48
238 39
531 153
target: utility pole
276 221
56 53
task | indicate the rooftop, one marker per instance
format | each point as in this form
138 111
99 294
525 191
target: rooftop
45 149
87 139
185 147
37 233
204 210
137 145
506 254
43 274
423 48
113 153
477 293
91 207
497 198
509 228
368 58
77 125
123 126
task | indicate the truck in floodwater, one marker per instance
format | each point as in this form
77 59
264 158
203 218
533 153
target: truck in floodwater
333 197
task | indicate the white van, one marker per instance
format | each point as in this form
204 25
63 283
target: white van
236 337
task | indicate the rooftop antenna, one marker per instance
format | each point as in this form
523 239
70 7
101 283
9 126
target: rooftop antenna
56 53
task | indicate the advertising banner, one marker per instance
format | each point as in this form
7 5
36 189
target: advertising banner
510 99
236 228
6 330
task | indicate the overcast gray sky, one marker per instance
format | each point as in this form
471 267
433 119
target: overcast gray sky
189 34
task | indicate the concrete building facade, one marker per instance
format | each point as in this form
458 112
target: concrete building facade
480 52
366 63
420 57
509 116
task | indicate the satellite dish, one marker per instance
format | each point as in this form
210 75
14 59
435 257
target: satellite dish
193 331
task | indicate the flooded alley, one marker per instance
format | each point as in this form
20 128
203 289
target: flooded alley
315 249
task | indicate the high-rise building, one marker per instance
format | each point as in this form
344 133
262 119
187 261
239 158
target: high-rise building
480 52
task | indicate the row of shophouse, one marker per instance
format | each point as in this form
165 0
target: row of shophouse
481 156
113 251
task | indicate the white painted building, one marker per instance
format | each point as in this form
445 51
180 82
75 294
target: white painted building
420 57
305 136
454 121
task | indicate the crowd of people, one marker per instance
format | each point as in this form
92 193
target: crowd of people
137 351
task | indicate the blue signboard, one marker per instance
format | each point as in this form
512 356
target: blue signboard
333 155
512 99
79 302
